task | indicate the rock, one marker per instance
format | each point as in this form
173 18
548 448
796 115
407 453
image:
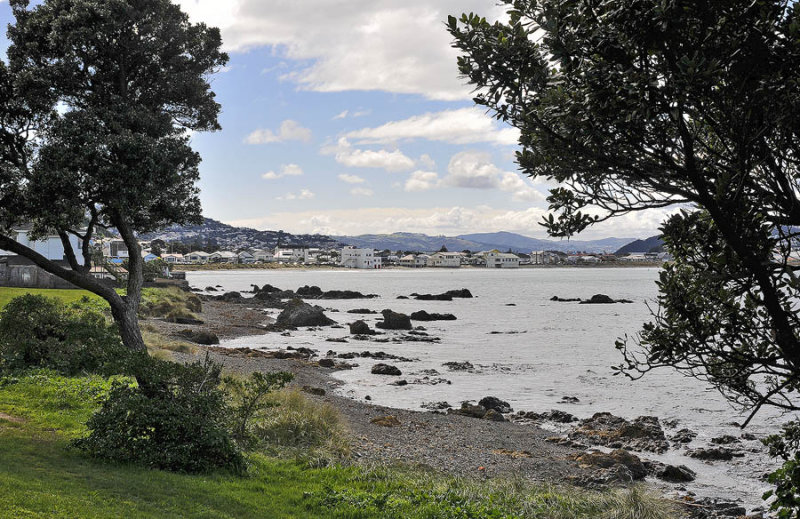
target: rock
459 366
385 369
309 292
676 474
402 297
642 434
361 311
565 300
570 400
394 321
401 382
422 315
511 304
211 289
361 328
185 320
314 390
432 297
684 436
327 363
386 421
205 338
491 402
708 508
554 415
467 409
619 457
725 440
436 406
461 293
601 299
494 416
298 313
232 297
336 339
314 292
713 454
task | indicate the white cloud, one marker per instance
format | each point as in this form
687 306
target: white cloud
449 221
462 126
289 131
304 194
421 181
475 170
287 170
351 179
341 115
426 161
347 113
345 154
361 191
399 47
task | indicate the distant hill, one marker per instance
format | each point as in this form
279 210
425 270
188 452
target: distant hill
651 244
476 242
212 232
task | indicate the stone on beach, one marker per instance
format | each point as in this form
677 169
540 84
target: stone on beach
385 369
394 321
298 313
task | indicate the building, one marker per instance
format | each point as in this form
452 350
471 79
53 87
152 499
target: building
247 257
408 261
18 271
116 249
290 254
197 257
173 258
263 256
543 257
445 259
148 256
50 247
501 260
359 258
223 256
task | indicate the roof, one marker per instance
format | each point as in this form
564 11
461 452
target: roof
198 253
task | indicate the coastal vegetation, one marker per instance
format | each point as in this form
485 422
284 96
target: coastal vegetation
630 106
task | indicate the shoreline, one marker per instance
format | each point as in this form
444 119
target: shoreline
217 267
452 444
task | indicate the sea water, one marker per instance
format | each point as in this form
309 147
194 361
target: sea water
526 349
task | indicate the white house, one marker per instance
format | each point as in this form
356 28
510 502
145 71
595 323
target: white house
246 257
290 254
49 246
359 258
173 258
501 260
408 261
543 257
445 259
263 256
222 256
311 255
421 260
115 249
197 257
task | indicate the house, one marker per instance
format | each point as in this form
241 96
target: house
50 246
197 257
359 258
501 260
263 256
173 258
18 271
115 249
445 259
246 257
421 260
290 254
543 257
311 255
223 256
101 272
636 257
408 261
148 256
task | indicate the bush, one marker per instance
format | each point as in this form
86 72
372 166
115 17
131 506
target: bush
248 402
174 419
787 478
37 332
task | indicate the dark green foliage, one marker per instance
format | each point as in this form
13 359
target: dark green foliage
36 331
787 478
175 419
248 400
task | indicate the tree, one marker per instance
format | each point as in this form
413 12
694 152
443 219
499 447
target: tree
96 103
641 104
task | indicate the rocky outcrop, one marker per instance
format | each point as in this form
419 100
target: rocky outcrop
361 311
361 328
298 313
459 366
601 299
422 315
619 464
477 411
394 321
385 369
205 338
642 434
492 402
445 296
675 474
554 415
714 454
315 292
565 300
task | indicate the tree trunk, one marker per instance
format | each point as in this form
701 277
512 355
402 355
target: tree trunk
128 324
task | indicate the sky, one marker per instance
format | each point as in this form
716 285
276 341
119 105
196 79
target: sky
348 117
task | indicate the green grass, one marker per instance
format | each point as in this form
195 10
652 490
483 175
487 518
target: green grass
40 476
67 296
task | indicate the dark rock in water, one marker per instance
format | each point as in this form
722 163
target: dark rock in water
684 436
459 366
554 415
570 400
298 313
402 297
232 297
211 289
708 508
266 289
394 321
327 363
494 416
385 369
725 440
361 311
635 469
318 391
462 293
565 300
200 337
491 402
422 315
511 304
361 328
467 409
749 436
714 454
432 297
402 382
336 339
436 406
601 299
314 292
676 474
380 355
307 291
642 434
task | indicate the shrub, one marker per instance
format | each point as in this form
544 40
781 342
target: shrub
248 400
174 419
36 331
786 478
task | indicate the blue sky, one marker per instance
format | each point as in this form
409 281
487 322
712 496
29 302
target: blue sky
348 117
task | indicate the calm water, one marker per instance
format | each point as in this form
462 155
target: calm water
559 349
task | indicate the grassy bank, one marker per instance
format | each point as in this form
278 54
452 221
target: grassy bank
40 476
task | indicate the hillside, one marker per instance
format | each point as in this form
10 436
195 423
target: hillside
212 232
518 242
651 244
